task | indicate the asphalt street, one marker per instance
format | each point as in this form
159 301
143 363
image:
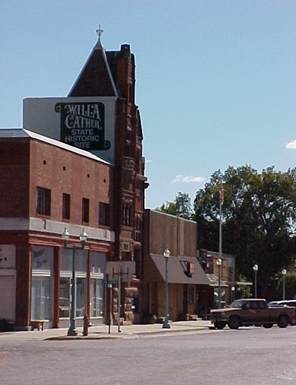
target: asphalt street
202 356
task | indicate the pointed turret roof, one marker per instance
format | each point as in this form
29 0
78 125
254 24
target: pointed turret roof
96 78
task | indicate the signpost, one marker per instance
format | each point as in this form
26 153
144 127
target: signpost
109 283
123 271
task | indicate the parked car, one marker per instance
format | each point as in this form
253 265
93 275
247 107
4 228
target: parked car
255 311
285 303
273 303
291 302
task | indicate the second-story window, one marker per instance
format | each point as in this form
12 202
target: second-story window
66 206
127 215
104 214
43 197
85 210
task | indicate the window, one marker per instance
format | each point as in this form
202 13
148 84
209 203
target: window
66 282
85 210
40 303
104 214
127 215
64 300
41 279
96 298
98 261
43 201
66 206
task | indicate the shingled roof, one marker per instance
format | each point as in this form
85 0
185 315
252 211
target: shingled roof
96 78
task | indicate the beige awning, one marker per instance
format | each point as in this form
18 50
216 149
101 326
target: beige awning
181 269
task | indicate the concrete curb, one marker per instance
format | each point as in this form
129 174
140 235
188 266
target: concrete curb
101 336
100 332
81 337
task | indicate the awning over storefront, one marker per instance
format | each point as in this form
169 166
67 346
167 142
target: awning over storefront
181 269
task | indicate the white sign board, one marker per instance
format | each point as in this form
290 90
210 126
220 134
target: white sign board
83 122
123 269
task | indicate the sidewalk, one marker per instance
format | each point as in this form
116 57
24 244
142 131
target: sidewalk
102 331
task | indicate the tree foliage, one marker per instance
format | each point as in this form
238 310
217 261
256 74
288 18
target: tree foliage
290 286
181 206
258 219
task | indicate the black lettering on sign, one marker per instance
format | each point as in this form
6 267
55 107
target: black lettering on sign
83 125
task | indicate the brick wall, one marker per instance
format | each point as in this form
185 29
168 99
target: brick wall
63 171
26 164
14 176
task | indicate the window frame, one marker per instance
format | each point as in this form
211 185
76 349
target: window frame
66 206
43 201
104 214
85 210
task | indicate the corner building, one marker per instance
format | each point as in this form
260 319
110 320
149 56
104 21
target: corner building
76 164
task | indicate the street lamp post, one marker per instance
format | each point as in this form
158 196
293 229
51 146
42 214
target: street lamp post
166 324
284 272
255 268
83 237
233 293
219 263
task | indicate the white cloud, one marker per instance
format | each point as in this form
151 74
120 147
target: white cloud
291 145
188 179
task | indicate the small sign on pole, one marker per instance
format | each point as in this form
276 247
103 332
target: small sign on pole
123 271
109 281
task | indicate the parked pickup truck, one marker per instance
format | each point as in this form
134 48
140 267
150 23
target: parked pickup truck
247 312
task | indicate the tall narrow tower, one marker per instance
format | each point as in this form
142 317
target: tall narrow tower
110 75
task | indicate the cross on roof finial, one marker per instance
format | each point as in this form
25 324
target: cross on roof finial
99 31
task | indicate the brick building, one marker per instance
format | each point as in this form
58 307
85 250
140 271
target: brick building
77 164
46 187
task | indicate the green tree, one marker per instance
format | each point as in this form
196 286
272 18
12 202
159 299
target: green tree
243 291
258 219
181 206
290 287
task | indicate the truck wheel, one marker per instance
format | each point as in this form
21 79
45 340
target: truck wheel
234 322
283 321
219 325
268 326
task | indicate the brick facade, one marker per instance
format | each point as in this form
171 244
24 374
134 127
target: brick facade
28 163
40 172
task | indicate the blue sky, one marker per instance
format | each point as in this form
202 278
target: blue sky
215 80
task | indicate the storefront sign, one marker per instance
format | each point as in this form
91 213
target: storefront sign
83 125
42 258
7 256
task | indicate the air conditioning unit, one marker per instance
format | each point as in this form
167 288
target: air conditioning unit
125 246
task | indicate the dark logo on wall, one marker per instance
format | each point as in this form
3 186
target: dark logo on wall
83 125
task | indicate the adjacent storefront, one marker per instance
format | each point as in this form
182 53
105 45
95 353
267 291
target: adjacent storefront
89 274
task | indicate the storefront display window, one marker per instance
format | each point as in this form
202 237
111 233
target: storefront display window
98 265
65 282
96 298
42 273
40 308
